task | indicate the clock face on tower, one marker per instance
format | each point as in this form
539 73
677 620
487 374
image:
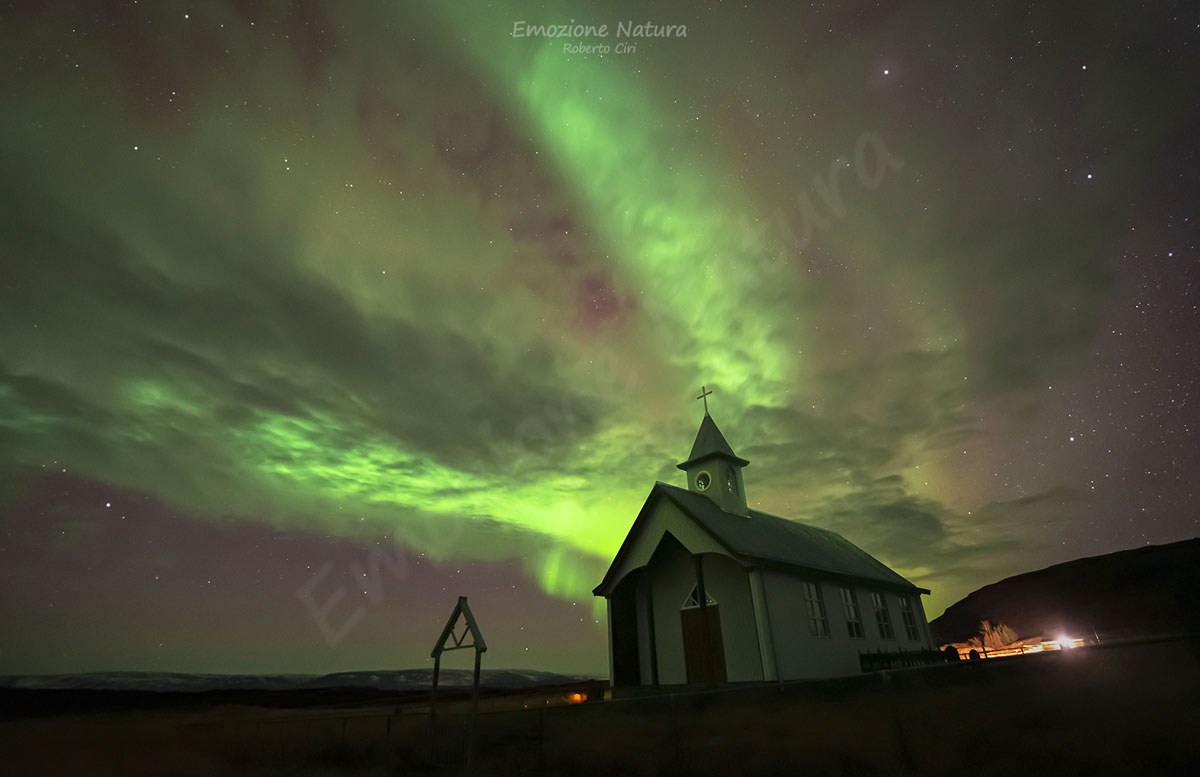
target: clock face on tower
703 480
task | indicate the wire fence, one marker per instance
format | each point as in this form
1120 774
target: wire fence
878 660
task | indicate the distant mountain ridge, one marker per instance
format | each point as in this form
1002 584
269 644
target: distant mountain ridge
1148 591
386 680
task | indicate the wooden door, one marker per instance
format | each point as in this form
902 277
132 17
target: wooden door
703 650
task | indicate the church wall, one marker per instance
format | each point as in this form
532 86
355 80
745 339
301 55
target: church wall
729 583
801 655
645 654
901 642
798 654
922 621
925 640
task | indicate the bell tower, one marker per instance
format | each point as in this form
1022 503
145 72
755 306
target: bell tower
713 469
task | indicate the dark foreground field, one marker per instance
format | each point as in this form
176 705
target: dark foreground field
1119 710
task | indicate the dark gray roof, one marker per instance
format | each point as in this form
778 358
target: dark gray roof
710 442
769 538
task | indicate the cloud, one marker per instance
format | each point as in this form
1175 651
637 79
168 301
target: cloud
469 284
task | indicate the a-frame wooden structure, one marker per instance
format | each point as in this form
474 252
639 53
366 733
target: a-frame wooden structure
453 639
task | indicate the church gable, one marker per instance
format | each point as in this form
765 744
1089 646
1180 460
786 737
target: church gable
659 516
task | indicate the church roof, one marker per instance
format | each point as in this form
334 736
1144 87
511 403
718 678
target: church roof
710 442
770 539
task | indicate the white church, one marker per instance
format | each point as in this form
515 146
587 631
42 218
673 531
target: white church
705 590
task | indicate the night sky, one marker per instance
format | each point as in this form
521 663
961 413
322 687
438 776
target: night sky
377 298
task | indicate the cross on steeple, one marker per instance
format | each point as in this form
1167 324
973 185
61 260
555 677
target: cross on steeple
704 392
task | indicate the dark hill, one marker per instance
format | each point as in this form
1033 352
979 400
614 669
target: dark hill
1143 592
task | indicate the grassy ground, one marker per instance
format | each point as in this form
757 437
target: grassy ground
1128 710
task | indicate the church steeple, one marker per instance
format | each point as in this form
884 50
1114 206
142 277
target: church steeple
713 469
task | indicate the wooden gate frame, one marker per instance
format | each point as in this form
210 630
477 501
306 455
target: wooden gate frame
448 633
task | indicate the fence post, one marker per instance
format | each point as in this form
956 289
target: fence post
675 729
474 712
437 663
541 742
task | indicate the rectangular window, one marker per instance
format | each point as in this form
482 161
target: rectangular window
818 624
850 608
910 618
882 618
